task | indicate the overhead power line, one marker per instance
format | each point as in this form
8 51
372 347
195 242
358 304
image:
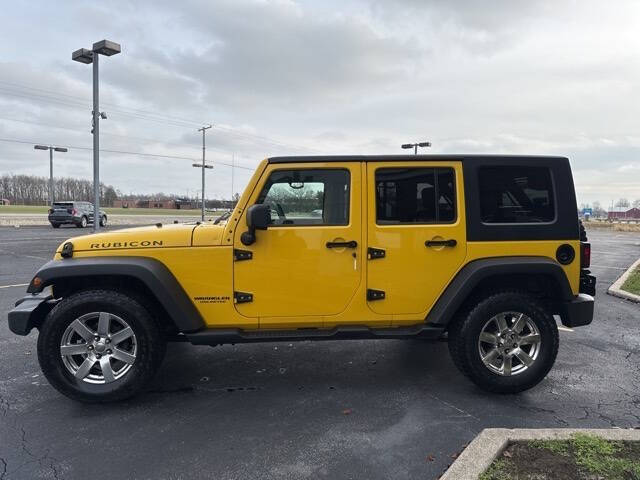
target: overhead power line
76 99
125 152
138 114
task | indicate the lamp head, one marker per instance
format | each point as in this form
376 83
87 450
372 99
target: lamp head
106 47
83 56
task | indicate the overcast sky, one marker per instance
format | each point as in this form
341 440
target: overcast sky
287 77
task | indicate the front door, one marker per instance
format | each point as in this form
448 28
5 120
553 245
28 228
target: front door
416 234
306 264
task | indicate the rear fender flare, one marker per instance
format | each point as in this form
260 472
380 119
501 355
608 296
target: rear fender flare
470 276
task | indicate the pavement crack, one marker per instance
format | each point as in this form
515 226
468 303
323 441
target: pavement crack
4 468
24 443
4 406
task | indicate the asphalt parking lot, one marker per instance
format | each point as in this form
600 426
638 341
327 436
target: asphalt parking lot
338 410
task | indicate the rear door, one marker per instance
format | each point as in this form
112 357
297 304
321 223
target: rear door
416 234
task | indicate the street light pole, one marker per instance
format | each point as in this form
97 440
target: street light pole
51 149
203 166
51 177
83 55
96 146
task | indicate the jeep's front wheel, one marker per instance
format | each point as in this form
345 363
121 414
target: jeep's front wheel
99 346
506 343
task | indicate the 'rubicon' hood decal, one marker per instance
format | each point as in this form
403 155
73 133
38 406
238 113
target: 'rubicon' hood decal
173 235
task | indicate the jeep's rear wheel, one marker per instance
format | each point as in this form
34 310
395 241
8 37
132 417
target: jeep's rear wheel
82 223
99 346
506 343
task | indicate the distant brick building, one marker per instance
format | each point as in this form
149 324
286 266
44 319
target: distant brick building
624 213
178 204
4 201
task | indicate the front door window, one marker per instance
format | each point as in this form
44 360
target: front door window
307 197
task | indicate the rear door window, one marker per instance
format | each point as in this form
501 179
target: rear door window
415 195
516 195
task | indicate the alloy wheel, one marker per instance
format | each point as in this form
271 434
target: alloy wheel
98 348
509 343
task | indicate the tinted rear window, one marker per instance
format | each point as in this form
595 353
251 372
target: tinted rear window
63 204
415 195
516 195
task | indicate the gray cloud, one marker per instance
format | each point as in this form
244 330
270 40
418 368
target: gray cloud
357 77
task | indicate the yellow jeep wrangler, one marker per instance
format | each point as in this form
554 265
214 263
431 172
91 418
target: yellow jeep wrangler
482 251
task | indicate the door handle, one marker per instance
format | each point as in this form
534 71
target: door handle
441 243
349 244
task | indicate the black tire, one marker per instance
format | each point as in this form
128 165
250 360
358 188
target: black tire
103 221
149 351
465 332
83 223
55 225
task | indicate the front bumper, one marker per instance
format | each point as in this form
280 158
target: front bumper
578 312
29 312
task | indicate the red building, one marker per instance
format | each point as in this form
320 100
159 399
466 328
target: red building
624 213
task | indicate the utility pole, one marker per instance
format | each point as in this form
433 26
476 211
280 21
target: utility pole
203 166
51 149
233 161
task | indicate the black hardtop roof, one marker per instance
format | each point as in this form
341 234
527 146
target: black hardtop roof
411 158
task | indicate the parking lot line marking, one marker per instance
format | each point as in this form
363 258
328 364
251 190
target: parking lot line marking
607 266
22 255
564 329
16 285
34 239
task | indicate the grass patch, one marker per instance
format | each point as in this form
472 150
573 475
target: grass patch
632 283
23 209
584 457
617 227
498 470
561 448
18 209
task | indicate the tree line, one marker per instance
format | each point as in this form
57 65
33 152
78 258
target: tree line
34 190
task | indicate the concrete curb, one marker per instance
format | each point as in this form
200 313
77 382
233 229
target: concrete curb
616 288
486 447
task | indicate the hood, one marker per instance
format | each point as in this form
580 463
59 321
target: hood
172 235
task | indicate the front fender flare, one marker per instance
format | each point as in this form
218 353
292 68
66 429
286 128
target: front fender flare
164 287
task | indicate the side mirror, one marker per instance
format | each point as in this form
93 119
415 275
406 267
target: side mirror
258 218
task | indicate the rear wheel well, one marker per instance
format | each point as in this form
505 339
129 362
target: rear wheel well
545 288
127 285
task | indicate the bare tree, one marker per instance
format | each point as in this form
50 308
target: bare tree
32 190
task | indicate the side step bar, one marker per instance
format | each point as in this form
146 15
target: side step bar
219 336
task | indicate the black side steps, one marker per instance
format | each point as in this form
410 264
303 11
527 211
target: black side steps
217 336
